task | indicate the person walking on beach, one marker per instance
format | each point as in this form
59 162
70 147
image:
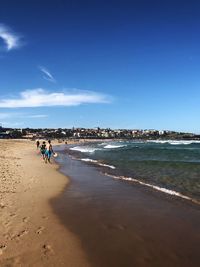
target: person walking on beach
49 152
43 150
38 144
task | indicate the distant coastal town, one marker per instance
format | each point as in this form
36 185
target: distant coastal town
93 133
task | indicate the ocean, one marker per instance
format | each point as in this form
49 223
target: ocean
170 166
120 201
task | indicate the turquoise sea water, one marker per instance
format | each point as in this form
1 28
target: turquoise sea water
170 165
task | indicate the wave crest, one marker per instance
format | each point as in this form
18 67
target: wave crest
99 163
175 142
155 187
113 146
84 149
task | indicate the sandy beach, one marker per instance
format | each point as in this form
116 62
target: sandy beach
30 233
90 219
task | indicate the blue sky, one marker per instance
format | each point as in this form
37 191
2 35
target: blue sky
118 64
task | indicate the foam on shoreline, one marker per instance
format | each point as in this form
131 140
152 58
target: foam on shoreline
114 217
99 163
155 187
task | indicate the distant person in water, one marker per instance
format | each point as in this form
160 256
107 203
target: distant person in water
43 149
49 152
38 144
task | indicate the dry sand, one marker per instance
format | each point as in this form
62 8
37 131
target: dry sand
30 232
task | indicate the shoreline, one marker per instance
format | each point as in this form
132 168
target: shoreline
120 224
31 234
110 170
88 219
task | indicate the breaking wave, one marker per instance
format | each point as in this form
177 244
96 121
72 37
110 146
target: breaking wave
175 142
114 146
84 149
98 163
155 187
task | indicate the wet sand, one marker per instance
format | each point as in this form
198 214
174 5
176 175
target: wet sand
124 224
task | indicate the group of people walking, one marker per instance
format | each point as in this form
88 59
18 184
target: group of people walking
46 150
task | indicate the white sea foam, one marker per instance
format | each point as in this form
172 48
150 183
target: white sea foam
99 163
113 146
102 144
183 142
84 149
90 160
175 142
161 189
106 165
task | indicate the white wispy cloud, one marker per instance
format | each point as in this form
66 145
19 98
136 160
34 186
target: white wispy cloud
11 39
42 98
47 75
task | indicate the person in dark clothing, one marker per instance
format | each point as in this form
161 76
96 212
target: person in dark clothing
38 144
43 149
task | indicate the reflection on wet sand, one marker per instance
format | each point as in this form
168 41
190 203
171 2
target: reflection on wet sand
123 224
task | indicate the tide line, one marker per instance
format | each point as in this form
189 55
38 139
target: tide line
161 189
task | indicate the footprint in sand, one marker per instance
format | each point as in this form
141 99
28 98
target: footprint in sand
25 219
20 234
6 223
7 236
2 205
13 215
2 248
45 217
47 249
40 230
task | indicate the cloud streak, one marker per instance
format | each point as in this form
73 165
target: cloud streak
47 75
11 39
41 98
